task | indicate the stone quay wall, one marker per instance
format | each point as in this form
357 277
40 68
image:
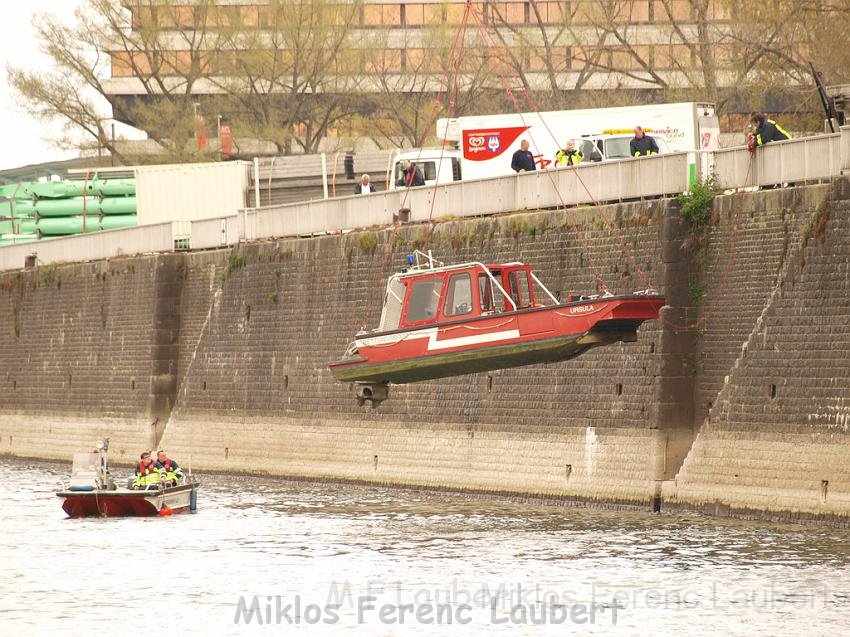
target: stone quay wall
735 402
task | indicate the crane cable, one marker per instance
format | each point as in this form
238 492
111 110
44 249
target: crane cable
456 46
600 282
708 312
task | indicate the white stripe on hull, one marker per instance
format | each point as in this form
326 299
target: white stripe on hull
434 344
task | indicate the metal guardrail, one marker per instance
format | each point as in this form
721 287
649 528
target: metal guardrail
844 151
86 247
161 237
806 159
582 184
802 160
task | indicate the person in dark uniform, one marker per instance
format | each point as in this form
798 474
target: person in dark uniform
642 144
411 175
767 130
522 159
172 470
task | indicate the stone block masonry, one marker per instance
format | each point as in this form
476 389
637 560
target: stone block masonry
223 355
84 354
776 438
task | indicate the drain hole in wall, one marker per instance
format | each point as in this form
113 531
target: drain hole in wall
489 383
226 452
568 469
375 460
133 384
286 382
771 391
69 380
205 385
652 348
618 388
824 487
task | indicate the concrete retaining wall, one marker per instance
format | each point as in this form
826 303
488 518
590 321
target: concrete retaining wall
223 355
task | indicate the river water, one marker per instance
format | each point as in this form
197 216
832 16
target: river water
319 559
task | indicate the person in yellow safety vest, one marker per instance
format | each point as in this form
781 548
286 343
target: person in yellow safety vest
147 473
766 130
569 156
642 144
173 472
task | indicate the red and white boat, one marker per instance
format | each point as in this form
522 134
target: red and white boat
91 491
441 321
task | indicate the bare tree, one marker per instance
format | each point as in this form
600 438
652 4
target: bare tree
442 70
290 78
166 72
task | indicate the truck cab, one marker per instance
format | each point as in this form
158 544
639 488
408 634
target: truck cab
437 165
612 144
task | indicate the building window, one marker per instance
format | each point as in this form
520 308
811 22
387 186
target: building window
382 15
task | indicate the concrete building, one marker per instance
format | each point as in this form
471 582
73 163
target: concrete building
567 50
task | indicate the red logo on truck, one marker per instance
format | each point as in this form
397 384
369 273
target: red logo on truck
487 143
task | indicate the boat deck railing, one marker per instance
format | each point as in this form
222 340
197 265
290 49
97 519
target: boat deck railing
805 160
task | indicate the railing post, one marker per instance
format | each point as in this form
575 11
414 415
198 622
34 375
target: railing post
325 174
257 182
844 153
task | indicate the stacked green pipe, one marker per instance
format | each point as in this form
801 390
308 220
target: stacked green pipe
34 210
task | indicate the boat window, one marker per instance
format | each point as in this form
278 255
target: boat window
519 288
489 295
458 295
424 300
391 314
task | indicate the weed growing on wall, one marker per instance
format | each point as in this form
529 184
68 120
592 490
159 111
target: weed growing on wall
696 204
234 262
368 241
695 207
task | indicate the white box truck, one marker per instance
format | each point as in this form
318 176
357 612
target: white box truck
482 146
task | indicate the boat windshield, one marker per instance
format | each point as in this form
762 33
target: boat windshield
424 299
85 463
393 303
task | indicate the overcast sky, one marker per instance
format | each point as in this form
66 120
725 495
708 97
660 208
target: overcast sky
23 139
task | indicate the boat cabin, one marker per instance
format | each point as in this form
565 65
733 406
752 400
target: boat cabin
421 297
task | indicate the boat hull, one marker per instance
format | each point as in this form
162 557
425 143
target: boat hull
126 502
511 339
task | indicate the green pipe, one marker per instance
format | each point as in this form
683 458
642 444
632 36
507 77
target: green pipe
21 190
115 187
113 222
25 225
93 187
17 208
118 206
67 207
61 189
57 226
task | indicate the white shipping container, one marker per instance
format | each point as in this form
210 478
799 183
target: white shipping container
191 192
